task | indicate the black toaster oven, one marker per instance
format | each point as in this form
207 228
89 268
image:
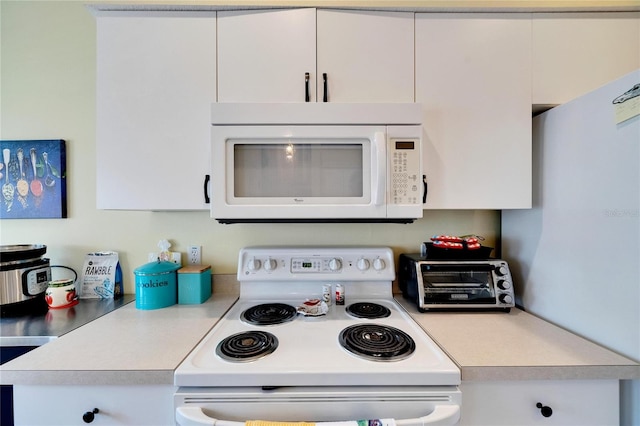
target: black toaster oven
455 284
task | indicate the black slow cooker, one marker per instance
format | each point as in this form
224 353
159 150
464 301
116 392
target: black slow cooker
24 277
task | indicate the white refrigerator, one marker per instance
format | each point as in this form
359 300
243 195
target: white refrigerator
575 256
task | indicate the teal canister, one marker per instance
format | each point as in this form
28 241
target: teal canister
156 285
194 284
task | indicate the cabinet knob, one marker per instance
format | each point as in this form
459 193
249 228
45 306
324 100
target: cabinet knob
90 415
544 410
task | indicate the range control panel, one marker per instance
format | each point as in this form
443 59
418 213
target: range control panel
315 263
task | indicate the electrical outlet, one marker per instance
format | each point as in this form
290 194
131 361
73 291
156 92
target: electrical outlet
194 255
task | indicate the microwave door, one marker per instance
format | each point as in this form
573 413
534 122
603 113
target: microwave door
298 172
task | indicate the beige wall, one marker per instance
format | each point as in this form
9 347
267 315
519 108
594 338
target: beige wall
48 92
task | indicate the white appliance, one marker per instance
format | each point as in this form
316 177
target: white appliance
575 255
316 162
366 359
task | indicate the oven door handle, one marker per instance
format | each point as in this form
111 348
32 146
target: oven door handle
441 415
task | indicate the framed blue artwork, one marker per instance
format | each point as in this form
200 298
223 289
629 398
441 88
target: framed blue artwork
33 179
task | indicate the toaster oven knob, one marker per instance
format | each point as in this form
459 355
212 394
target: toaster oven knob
504 284
363 264
501 271
378 264
335 264
254 264
505 298
270 264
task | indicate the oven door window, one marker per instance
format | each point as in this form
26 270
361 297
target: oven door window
458 286
305 169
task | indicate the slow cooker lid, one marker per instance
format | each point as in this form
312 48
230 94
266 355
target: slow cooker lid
12 253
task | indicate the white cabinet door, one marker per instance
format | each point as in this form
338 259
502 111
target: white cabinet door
263 55
567 402
367 56
155 84
576 53
473 76
117 405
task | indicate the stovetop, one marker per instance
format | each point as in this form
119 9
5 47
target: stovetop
309 354
309 351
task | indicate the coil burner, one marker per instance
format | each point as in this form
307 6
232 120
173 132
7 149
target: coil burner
377 342
368 310
269 314
247 346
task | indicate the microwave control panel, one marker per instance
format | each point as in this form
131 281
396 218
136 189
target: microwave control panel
405 181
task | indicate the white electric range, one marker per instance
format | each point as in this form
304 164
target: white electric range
274 357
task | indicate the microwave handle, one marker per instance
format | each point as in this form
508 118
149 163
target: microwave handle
380 152
425 191
441 415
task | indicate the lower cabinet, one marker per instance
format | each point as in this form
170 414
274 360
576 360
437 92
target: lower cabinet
75 405
548 402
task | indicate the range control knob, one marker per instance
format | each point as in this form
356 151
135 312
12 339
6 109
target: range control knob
505 298
363 264
335 264
254 264
270 264
504 284
378 264
501 271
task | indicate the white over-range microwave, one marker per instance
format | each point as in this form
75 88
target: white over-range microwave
316 162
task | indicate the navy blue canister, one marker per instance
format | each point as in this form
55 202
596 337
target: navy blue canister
156 285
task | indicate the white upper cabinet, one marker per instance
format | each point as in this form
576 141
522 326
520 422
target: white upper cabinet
263 56
576 53
156 79
473 76
367 56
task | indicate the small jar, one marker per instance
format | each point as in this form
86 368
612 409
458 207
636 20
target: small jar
61 294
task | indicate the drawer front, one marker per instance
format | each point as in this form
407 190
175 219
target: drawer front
566 402
117 405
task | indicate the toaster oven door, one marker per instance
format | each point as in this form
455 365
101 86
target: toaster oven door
458 285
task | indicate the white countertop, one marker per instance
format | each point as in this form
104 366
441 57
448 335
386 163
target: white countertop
129 346
518 346
140 347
